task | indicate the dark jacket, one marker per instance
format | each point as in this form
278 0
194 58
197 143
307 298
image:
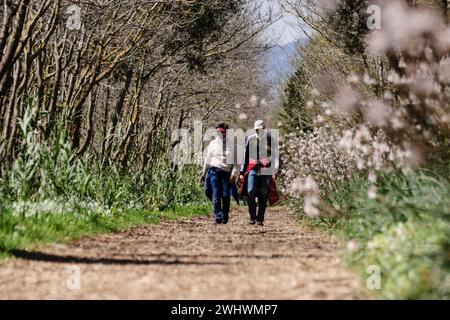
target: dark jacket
262 161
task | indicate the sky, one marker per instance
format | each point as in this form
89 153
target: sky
283 31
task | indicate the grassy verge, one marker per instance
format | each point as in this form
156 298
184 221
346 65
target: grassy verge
50 194
405 232
17 232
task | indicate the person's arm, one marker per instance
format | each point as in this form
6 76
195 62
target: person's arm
236 166
246 159
235 172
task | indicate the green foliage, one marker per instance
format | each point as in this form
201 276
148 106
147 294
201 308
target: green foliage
293 111
51 170
321 68
197 23
349 23
411 257
404 232
49 193
47 227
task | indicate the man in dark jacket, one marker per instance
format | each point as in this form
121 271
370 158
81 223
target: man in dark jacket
257 171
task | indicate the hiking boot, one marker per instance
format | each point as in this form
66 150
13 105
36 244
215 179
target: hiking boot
261 223
252 222
226 217
219 221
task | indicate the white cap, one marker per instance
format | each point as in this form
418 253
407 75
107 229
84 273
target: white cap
259 125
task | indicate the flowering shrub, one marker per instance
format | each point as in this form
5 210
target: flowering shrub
362 159
398 125
58 206
314 154
415 106
328 157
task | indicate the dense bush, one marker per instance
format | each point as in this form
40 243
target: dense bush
374 164
50 194
405 233
49 177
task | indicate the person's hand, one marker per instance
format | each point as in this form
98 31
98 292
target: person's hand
242 178
202 179
233 179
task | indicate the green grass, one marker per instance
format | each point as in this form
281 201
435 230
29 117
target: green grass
44 228
49 194
406 231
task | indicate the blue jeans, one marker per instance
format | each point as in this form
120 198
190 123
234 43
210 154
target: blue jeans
220 183
258 186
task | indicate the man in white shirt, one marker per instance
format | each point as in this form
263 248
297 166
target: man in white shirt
222 173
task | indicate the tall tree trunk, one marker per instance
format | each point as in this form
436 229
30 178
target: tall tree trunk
78 109
90 128
2 111
58 53
8 15
7 61
117 113
105 122
147 152
134 118
39 78
12 114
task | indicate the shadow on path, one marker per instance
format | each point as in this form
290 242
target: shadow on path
163 258
46 257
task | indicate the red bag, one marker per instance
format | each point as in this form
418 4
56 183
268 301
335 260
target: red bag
274 197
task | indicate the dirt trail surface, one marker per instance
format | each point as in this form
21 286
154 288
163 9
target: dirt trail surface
189 259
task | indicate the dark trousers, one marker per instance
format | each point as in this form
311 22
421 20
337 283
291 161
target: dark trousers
258 187
220 183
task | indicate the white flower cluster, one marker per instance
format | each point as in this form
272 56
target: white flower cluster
404 119
59 206
417 45
313 155
371 153
326 158
310 189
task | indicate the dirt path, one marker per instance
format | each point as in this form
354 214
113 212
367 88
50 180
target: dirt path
190 259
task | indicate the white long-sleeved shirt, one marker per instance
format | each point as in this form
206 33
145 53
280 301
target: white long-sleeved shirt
216 156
